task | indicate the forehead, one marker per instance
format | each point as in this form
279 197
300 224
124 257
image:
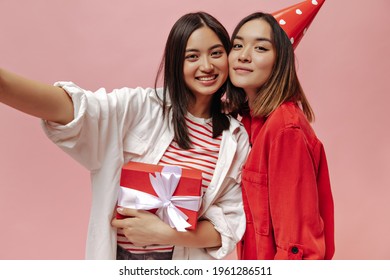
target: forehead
203 38
256 28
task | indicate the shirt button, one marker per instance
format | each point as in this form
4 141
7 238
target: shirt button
294 250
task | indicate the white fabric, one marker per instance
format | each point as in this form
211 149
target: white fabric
110 129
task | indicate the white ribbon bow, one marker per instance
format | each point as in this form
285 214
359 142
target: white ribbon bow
164 184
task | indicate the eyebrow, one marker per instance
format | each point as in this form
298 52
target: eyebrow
260 39
212 47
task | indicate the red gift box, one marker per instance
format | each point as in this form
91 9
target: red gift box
143 183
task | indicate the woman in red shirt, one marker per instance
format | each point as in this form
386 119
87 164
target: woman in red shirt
286 187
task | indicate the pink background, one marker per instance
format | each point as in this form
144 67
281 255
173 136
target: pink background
45 196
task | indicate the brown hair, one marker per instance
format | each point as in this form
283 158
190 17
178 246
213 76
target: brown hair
174 85
282 85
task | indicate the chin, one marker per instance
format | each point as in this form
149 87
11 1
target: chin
238 84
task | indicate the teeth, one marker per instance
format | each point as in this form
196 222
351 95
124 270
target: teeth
206 78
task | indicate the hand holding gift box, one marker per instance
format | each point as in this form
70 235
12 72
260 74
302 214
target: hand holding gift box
173 193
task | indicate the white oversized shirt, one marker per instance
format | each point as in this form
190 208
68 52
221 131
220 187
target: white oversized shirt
110 129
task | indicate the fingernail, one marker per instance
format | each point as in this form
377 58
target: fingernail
119 209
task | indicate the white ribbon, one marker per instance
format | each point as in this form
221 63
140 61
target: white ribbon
164 184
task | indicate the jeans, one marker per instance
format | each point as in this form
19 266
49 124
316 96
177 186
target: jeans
123 254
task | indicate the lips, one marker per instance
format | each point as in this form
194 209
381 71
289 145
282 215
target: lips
207 78
240 69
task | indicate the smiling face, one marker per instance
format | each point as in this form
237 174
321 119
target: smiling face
252 57
205 66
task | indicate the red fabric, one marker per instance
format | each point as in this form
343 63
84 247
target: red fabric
135 175
296 19
286 190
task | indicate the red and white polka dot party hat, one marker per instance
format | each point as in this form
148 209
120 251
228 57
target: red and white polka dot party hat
296 19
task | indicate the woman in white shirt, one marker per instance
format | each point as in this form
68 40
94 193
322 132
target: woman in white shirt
103 131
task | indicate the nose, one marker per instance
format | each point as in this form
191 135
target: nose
206 65
244 55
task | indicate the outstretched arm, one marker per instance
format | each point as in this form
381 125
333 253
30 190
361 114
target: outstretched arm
34 98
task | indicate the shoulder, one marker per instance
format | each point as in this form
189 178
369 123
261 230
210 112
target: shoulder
236 127
139 93
288 115
238 132
123 92
289 119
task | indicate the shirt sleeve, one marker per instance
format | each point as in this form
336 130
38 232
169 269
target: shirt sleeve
100 119
293 193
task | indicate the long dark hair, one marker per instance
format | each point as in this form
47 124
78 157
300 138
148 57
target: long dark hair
174 85
283 84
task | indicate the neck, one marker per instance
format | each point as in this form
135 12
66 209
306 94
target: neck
251 95
201 108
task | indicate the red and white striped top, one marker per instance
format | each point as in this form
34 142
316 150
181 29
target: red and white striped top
203 156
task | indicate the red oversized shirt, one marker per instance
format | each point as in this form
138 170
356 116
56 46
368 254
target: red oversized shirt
286 189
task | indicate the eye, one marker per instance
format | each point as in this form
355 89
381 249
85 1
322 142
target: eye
237 46
217 53
261 49
191 57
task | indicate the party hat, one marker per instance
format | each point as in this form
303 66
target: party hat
296 19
